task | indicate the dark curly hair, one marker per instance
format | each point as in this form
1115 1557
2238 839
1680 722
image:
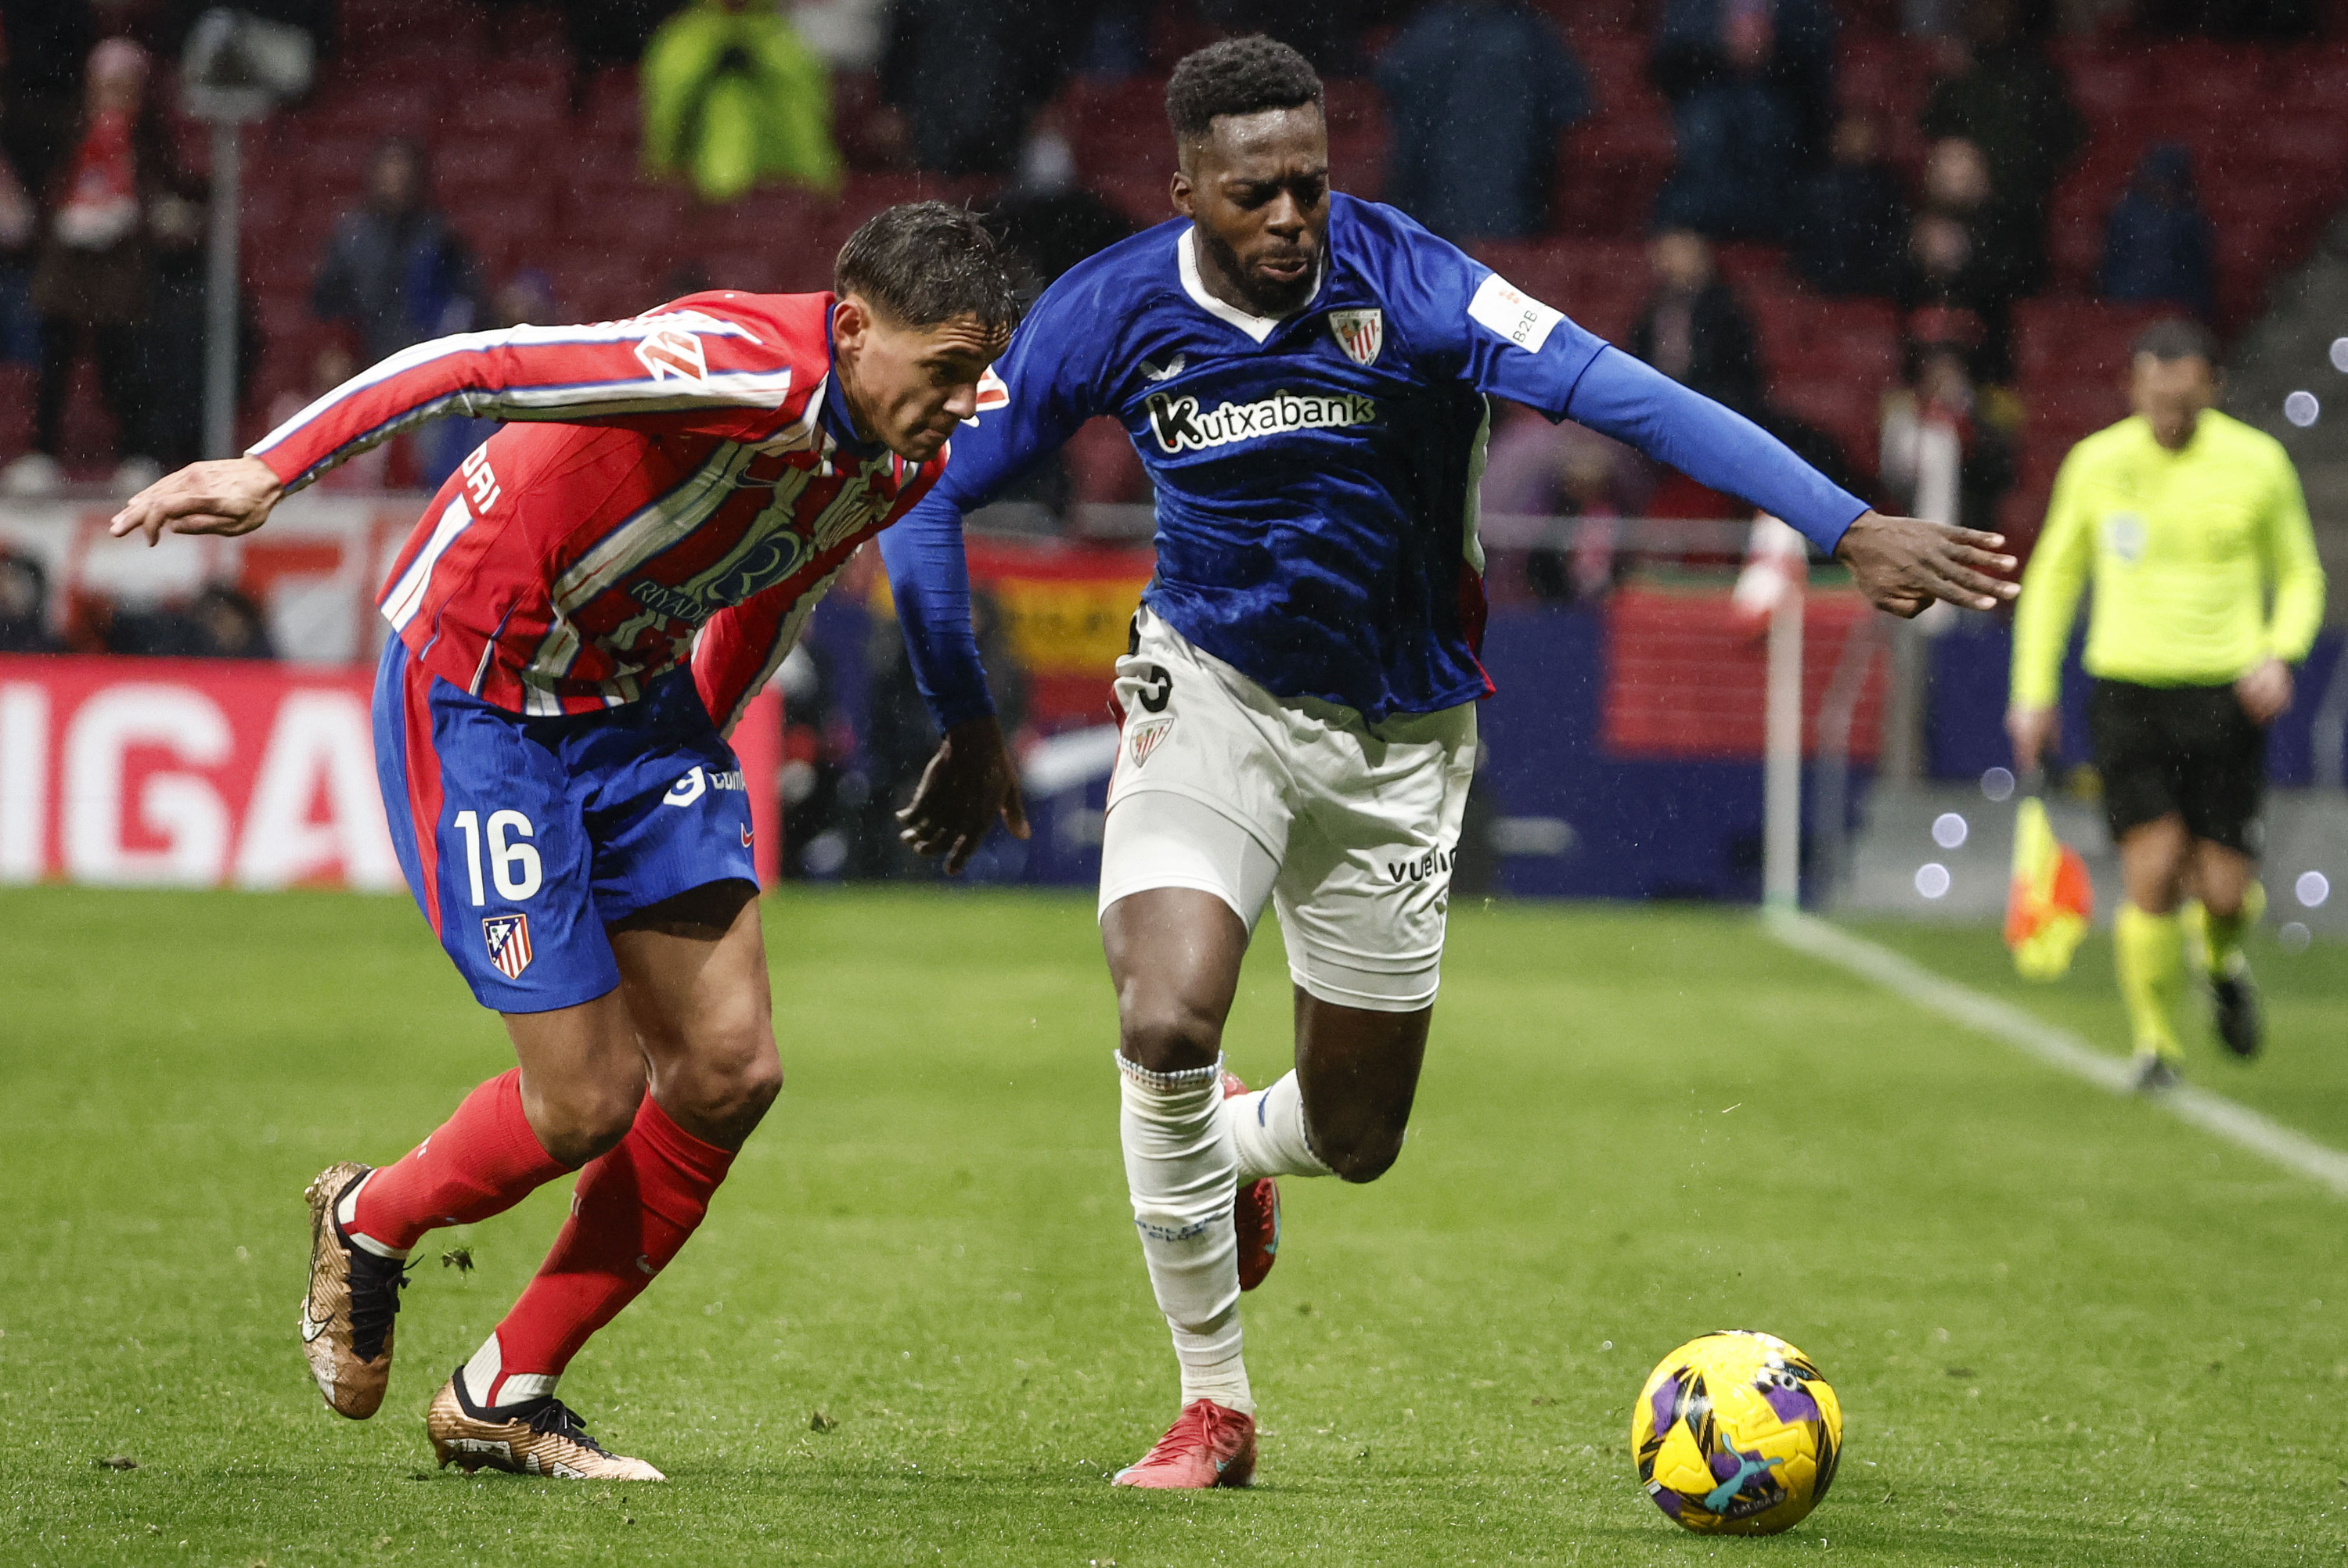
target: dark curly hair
1237 76
926 262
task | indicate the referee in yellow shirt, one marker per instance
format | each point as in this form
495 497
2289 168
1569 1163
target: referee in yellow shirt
2184 519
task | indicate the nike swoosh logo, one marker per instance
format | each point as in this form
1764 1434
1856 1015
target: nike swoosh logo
311 1327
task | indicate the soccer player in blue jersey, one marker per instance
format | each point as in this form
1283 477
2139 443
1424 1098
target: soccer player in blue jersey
1307 378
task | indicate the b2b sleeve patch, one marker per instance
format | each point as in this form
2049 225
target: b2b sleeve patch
1518 317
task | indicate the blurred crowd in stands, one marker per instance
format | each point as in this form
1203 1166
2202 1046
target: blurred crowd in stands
1892 179
1906 235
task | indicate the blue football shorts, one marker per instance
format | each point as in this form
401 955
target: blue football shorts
523 839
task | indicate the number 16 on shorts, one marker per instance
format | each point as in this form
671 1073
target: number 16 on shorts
514 868
513 861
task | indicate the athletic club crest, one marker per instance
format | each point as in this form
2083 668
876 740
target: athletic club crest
1361 333
508 940
1146 736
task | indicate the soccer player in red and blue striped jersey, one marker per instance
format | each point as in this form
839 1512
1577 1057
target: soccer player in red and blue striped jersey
579 618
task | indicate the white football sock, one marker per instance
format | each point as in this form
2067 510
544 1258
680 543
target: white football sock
1267 1128
488 1383
347 1211
1179 1167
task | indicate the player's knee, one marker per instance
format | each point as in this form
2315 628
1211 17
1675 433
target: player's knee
1363 1157
734 1075
576 1122
1165 1034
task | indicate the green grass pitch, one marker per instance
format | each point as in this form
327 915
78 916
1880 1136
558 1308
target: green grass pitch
2067 1329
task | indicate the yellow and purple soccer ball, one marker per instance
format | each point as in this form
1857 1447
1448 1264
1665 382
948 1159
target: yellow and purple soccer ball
1736 1434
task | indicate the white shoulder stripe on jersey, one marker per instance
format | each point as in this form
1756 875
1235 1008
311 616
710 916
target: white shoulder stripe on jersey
425 353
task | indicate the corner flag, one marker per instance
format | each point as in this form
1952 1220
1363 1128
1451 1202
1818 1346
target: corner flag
2049 901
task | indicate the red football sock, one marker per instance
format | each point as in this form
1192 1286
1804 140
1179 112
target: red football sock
480 1162
631 1212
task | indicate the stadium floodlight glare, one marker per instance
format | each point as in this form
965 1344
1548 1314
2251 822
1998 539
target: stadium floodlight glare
237 68
2314 888
2340 355
1933 879
1997 783
2294 937
1949 830
2301 408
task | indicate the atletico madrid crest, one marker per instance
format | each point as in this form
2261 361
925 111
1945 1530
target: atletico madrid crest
1361 333
508 940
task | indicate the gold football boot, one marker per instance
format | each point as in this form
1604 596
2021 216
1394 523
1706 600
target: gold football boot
538 1437
353 1299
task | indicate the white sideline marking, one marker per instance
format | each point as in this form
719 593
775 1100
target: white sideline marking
2059 1048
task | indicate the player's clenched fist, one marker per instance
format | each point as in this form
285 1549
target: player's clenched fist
229 495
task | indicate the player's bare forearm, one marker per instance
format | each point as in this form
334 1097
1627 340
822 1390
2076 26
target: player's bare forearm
969 785
1903 564
227 496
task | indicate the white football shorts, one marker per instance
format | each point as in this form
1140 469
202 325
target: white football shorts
1348 827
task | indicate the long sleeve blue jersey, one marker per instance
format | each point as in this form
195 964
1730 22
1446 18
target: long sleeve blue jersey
1316 474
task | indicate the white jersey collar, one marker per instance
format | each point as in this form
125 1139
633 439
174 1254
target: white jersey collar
1186 251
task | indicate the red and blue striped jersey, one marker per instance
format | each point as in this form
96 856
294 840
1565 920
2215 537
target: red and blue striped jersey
662 476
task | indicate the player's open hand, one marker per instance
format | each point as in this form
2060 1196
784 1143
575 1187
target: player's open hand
2264 690
1903 564
229 495
968 785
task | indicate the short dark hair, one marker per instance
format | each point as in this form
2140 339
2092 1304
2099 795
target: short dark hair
925 262
2176 337
1237 76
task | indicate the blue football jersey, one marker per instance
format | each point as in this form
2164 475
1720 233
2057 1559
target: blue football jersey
1316 474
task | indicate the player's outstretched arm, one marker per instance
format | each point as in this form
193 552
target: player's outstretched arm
227 496
1903 564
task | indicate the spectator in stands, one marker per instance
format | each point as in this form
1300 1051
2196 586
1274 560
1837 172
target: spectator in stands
1693 329
1051 221
393 271
1537 469
1476 93
25 606
2009 100
966 78
219 622
1751 87
732 97
93 281
20 225
41 84
1944 454
178 324
1854 217
1953 266
2159 246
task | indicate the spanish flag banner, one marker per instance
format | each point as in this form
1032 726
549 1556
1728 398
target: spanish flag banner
2050 901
